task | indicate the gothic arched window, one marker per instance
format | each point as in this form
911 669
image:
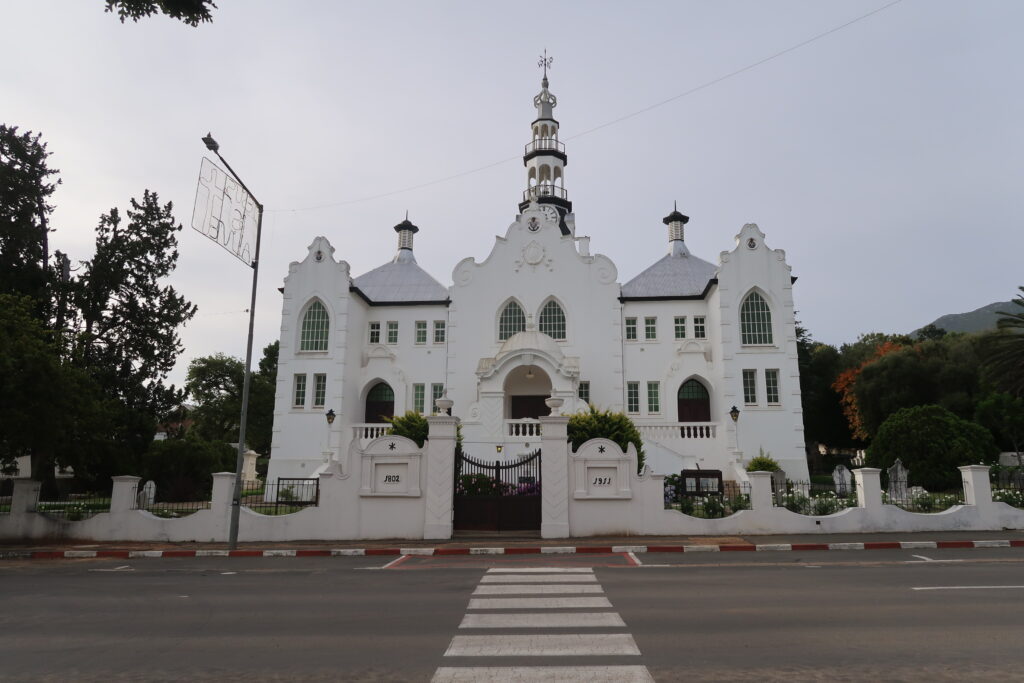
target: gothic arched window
552 321
512 320
315 326
755 320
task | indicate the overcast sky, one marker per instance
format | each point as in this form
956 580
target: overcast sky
886 158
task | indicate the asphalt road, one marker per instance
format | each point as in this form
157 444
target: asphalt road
717 616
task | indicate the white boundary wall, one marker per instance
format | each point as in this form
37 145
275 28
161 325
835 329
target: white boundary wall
392 489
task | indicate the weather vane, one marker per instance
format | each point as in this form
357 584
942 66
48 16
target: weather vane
545 62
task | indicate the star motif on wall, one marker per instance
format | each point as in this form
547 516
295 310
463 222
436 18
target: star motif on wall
600 449
391 446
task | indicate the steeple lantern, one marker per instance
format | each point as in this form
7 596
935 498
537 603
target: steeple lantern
544 158
676 222
405 231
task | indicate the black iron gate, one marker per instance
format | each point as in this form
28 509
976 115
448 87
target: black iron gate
499 495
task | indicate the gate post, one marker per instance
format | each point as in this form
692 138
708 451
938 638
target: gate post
554 477
440 479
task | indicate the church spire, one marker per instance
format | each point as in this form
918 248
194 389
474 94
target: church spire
405 231
675 222
545 159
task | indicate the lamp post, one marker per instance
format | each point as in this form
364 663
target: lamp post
735 415
236 498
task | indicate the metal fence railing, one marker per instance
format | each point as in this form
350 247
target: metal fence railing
733 497
1007 485
816 500
6 489
916 499
74 506
280 497
146 496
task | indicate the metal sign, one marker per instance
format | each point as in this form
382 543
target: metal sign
225 212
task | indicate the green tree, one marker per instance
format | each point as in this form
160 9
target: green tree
943 372
930 331
214 384
181 468
824 422
1004 351
1003 415
932 442
597 424
192 12
26 186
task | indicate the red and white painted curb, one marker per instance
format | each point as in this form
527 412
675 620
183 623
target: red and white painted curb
510 550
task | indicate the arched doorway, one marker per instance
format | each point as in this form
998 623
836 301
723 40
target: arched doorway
526 389
693 402
380 402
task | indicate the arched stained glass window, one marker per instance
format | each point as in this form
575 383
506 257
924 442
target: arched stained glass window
315 326
512 320
552 320
755 320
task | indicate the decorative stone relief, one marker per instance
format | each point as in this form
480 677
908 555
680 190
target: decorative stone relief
606 270
533 255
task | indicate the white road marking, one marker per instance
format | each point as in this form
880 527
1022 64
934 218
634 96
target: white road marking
533 589
991 544
544 620
918 545
629 549
846 546
574 645
926 559
416 551
211 553
537 603
635 559
773 546
540 570
145 553
486 551
228 573
538 578
543 674
278 553
79 553
122 568
958 588
347 551
400 558
554 550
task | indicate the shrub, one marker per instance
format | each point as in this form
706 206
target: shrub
415 427
824 505
932 442
597 424
481 485
763 463
739 503
713 507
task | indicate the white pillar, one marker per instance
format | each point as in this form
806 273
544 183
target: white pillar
869 487
760 491
554 477
24 496
977 486
439 458
122 497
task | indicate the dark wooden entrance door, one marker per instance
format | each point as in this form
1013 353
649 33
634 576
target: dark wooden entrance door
694 402
497 496
521 407
380 403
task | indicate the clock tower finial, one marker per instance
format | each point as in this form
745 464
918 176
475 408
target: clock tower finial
545 157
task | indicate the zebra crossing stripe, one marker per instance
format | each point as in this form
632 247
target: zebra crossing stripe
543 645
544 620
543 674
538 603
539 578
540 570
541 589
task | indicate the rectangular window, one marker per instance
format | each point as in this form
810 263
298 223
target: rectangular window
436 392
439 332
299 392
392 332
375 333
680 325
771 386
419 392
421 331
584 392
632 397
630 329
319 390
750 387
653 397
698 327
650 328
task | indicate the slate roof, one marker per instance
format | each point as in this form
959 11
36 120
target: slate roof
400 281
676 275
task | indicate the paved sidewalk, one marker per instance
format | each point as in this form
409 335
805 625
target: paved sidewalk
508 543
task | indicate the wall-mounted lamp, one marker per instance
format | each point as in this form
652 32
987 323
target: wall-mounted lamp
499 448
734 414
529 372
330 416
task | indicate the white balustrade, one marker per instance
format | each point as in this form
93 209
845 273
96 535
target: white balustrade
679 430
526 428
369 431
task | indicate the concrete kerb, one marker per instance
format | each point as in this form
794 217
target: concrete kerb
35 554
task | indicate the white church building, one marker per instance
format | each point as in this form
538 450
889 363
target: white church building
676 347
